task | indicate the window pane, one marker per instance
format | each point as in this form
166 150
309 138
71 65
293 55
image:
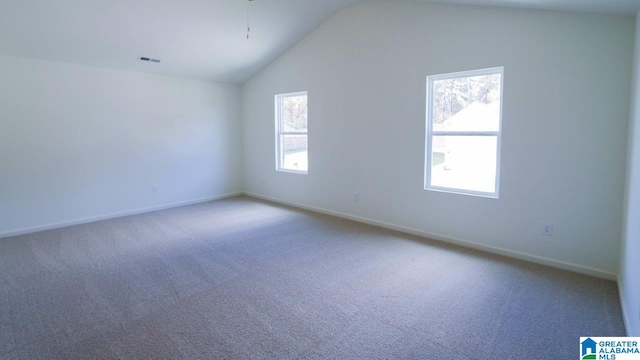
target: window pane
464 162
294 152
294 113
467 103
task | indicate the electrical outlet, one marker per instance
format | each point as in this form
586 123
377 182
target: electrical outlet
155 189
356 197
547 229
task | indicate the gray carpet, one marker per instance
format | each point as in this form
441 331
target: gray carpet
241 278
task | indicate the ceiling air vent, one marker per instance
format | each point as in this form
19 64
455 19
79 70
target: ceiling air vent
144 58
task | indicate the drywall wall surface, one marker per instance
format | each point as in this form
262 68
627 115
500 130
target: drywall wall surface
565 117
630 262
80 143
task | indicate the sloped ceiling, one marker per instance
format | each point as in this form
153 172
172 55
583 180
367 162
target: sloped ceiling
203 39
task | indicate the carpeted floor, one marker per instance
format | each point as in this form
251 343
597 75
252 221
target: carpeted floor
241 278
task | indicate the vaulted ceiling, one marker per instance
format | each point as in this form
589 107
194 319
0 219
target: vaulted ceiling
203 39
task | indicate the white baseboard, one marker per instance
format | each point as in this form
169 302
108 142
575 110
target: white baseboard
623 306
113 215
439 237
448 239
626 313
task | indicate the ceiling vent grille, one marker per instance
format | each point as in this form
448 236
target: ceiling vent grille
144 58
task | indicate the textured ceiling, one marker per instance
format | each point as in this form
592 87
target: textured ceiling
204 39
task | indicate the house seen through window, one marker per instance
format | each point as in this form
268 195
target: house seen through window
464 112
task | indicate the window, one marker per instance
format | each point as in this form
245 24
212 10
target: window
464 116
291 132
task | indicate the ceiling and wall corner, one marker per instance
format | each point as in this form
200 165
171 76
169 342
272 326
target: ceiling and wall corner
202 39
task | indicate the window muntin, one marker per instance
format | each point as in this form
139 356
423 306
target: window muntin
291 132
464 116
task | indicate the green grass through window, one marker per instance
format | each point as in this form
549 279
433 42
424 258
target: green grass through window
438 158
294 151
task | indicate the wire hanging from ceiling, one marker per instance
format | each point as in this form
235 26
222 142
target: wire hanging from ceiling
248 23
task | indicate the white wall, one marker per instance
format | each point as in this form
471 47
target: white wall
79 142
630 262
565 117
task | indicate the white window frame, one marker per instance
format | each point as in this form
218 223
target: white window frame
430 133
279 133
